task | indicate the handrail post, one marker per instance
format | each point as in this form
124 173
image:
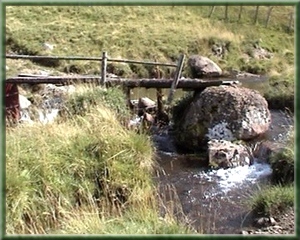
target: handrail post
103 68
176 78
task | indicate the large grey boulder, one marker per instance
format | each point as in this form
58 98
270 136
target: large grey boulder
223 112
202 66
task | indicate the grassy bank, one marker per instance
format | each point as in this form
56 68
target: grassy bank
148 33
273 200
85 175
278 197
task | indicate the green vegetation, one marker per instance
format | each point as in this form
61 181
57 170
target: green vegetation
283 162
152 33
280 195
273 200
87 97
88 167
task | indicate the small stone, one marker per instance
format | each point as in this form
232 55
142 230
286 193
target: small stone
262 221
272 221
244 232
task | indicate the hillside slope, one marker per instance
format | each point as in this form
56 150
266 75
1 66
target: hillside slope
150 33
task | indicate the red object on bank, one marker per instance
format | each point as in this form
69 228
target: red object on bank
12 103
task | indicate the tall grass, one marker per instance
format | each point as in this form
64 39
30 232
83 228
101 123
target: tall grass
273 200
88 167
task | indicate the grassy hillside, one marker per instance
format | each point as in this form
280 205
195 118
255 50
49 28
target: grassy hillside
134 32
148 33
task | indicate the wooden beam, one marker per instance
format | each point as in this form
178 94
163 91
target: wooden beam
131 83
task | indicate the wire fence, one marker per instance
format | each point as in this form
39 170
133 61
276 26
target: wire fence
282 17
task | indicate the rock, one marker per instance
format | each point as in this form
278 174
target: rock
276 227
241 75
263 222
264 149
24 102
261 53
272 221
223 112
148 118
145 104
224 154
244 232
24 109
202 66
219 50
48 46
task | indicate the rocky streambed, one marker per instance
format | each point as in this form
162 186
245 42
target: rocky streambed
217 201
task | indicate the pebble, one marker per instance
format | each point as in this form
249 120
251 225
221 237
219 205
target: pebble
277 227
272 221
245 232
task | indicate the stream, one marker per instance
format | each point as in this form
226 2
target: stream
210 201
213 201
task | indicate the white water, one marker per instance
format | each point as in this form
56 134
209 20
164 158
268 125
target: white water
234 178
44 116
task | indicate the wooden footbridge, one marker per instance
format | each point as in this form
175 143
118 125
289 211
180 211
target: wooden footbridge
127 84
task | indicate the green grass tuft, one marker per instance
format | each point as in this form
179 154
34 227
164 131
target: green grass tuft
273 200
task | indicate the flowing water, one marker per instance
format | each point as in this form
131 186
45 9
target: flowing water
214 201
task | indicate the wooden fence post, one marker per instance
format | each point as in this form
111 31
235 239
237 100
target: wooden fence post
103 68
160 105
176 78
226 12
127 91
256 14
291 21
240 12
269 15
212 11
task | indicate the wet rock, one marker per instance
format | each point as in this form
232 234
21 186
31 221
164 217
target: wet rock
224 154
223 112
265 149
201 66
145 104
265 222
47 100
